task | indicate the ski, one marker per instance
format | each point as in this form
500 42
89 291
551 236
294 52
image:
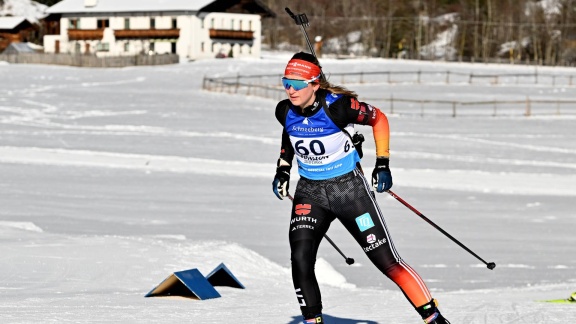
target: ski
569 300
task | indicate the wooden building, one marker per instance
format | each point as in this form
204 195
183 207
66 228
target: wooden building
16 30
192 29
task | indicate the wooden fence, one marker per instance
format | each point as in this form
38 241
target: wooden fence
89 60
269 86
527 107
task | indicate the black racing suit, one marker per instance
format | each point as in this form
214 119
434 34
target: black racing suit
348 198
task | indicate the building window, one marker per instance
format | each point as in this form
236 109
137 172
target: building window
126 23
250 25
103 23
126 47
202 47
174 23
77 47
241 25
232 24
103 47
152 23
212 23
74 24
152 47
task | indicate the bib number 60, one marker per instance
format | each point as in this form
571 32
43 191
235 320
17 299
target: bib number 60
315 146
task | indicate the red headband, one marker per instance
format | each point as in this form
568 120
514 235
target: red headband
302 68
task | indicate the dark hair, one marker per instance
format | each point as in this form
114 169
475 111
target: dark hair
324 84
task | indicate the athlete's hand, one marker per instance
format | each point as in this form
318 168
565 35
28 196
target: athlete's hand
357 140
381 176
281 179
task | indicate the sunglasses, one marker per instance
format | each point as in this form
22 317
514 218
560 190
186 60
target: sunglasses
296 84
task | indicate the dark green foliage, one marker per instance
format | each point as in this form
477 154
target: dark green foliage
47 2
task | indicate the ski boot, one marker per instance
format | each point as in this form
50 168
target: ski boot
315 320
430 313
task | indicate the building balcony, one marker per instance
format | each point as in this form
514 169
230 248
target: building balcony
231 34
146 33
85 34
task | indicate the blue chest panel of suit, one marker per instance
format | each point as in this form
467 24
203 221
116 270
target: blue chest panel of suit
322 149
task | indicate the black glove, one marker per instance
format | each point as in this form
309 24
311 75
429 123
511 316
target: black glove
357 140
381 176
281 179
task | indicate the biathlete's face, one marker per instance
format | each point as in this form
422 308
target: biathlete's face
300 91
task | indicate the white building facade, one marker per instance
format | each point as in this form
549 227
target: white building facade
192 29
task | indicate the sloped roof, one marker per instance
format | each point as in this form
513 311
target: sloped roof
15 48
104 6
11 22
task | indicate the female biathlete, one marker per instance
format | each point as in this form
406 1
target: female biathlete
318 120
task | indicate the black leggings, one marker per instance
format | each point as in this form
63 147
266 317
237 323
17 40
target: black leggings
349 199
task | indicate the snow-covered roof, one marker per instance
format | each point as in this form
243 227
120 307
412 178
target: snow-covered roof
15 48
33 11
11 22
102 6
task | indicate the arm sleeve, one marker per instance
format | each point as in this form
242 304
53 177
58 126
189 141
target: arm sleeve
361 113
381 131
286 149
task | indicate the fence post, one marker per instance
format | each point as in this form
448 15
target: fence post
237 82
421 108
528 109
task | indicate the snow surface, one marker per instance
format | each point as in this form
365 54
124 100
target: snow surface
112 179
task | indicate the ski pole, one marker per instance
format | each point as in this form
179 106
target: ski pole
490 265
302 21
349 261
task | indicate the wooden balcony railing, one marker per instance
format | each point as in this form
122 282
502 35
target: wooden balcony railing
146 33
85 34
231 34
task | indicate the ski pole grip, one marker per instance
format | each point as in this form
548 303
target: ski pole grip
300 19
291 14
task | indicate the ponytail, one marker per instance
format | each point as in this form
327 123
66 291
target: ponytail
324 84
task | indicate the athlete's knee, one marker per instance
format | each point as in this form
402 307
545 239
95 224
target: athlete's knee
302 256
394 271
